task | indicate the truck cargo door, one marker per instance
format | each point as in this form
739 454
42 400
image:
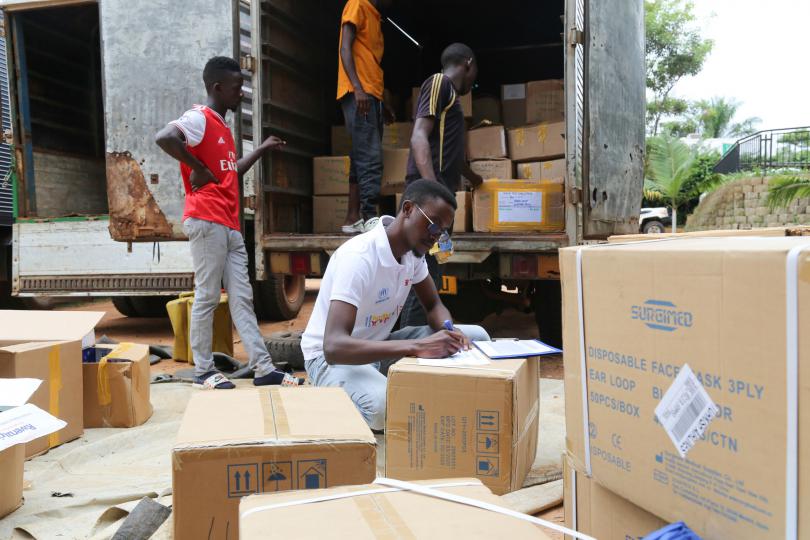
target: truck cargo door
153 54
605 89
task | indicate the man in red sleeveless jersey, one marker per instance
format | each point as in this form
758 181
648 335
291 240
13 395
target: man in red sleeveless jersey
203 144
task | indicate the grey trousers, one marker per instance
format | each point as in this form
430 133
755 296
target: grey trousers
366 384
219 257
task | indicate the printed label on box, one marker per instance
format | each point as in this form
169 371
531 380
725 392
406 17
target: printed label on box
685 410
520 207
514 91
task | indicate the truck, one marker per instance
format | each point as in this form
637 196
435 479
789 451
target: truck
99 206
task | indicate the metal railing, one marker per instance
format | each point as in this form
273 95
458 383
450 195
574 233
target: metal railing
768 149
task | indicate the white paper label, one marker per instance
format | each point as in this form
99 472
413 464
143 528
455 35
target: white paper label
514 91
24 424
520 207
16 392
460 359
685 410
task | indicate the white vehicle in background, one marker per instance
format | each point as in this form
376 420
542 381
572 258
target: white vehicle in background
654 220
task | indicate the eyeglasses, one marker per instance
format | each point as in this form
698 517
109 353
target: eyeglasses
433 229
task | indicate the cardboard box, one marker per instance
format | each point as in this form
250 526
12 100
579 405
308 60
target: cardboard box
375 514
47 345
793 230
20 423
12 461
493 168
545 101
486 142
463 220
598 512
397 135
487 108
537 142
329 213
330 175
116 389
341 141
513 104
519 205
541 170
443 422
395 169
258 440
718 305
465 101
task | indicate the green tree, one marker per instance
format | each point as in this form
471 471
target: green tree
716 117
669 166
674 49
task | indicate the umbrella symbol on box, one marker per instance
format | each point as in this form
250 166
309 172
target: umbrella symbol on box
277 476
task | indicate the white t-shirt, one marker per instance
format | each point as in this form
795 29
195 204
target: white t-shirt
192 124
364 273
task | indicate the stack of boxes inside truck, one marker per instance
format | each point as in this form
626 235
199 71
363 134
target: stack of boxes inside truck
516 143
684 388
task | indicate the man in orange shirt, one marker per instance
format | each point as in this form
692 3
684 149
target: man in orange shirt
360 92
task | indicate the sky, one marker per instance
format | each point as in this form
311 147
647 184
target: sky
761 57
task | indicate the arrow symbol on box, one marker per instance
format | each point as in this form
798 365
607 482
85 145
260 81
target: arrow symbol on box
238 478
485 417
487 423
247 481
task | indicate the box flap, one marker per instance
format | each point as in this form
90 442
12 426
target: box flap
271 416
22 325
16 392
497 369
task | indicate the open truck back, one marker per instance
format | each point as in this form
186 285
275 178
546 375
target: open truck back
599 52
142 67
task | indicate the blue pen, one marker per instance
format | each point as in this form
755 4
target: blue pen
448 325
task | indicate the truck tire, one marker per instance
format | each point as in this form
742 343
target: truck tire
280 297
470 305
547 306
653 226
124 306
285 348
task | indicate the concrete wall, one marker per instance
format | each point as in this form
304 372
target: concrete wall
741 205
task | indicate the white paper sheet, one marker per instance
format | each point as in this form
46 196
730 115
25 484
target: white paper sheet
16 392
514 349
26 423
460 359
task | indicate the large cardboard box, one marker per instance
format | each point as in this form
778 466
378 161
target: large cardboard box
466 102
116 388
541 170
397 135
12 461
513 104
395 169
519 205
598 512
463 220
375 511
47 345
487 108
545 101
20 422
329 213
537 142
341 141
443 422
493 168
735 310
259 440
486 142
330 175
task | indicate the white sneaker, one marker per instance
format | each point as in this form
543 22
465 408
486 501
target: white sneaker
370 224
355 228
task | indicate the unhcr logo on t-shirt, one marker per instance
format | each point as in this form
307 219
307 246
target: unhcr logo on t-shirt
661 315
382 296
